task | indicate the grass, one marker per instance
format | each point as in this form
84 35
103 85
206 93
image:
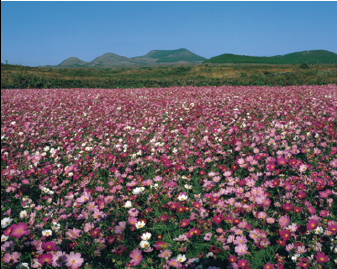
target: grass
20 77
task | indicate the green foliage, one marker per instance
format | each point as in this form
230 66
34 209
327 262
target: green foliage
20 77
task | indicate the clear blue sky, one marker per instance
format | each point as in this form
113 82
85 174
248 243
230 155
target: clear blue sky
42 33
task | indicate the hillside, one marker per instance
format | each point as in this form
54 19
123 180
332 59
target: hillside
72 62
108 59
153 57
164 56
310 57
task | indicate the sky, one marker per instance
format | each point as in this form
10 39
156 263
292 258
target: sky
46 33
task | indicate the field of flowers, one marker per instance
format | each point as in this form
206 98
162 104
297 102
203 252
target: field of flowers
180 177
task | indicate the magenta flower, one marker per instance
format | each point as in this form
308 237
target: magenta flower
332 228
46 259
281 161
321 257
19 230
136 256
268 266
48 246
74 260
243 263
285 234
270 167
312 225
184 223
217 219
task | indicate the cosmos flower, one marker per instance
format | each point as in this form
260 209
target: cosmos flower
74 260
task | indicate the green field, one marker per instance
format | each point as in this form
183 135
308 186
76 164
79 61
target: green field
16 77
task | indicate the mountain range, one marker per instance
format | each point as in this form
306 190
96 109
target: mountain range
154 57
309 57
184 56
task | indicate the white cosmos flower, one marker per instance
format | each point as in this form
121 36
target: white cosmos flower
181 258
6 222
47 233
138 190
188 187
210 254
155 186
4 238
319 230
144 244
128 204
146 236
23 214
182 197
55 226
140 224
22 265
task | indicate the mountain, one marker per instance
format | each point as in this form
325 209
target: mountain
72 62
180 56
109 59
310 57
169 56
153 57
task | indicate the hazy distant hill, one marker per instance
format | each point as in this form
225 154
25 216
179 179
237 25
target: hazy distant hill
310 57
152 57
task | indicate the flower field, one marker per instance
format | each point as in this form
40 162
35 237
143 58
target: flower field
180 177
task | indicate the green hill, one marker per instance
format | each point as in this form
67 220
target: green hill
179 55
310 57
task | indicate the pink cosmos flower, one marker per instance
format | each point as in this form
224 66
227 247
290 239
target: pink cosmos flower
136 256
88 227
301 249
270 220
240 240
19 230
58 258
241 249
132 221
208 236
73 234
74 260
284 221
120 227
11 258
166 253
174 263
311 210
